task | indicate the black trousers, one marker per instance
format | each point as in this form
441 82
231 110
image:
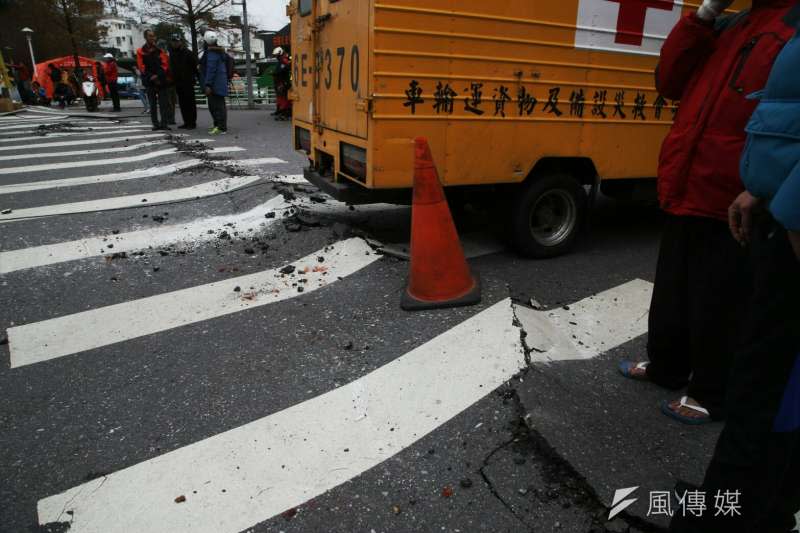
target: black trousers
188 104
697 301
758 452
216 106
159 101
113 90
91 103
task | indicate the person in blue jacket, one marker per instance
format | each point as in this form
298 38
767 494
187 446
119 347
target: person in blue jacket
757 458
214 75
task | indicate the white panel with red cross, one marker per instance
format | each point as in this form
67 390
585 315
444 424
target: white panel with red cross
633 26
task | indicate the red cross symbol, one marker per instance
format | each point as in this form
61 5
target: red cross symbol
632 14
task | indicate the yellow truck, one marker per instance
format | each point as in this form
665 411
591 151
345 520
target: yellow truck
544 101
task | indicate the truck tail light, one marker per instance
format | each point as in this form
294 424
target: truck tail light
354 162
302 140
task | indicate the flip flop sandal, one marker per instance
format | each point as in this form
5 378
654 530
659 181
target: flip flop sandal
665 408
626 368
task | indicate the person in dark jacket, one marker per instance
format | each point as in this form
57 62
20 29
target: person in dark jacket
153 63
55 74
214 76
112 75
183 65
63 94
710 62
758 452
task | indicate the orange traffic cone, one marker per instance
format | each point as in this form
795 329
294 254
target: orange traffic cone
439 276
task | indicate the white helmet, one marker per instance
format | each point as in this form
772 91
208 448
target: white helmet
210 37
278 51
108 56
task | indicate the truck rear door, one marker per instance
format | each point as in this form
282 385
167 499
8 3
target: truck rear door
341 46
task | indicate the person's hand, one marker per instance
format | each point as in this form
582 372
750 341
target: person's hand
740 216
208 91
711 9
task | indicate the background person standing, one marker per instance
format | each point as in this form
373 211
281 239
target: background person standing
183 65
153 63
283 83
112 74
214 74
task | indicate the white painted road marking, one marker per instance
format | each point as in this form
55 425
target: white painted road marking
192 232
589 327
114 161
57 144
203 190
34 125
58 337
256 162
283 460
101 178
162 170
77 128
73 134
94 151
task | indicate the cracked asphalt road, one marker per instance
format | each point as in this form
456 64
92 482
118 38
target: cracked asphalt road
75 418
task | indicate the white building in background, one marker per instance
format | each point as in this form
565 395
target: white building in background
122 34
231 39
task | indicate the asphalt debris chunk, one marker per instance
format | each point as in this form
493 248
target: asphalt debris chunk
288 269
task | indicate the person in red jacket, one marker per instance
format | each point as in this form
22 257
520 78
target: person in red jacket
112 74
710 63
153 63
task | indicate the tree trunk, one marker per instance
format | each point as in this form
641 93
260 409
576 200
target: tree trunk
193 31
68 20
191 19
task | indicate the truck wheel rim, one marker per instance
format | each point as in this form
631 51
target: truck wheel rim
553 217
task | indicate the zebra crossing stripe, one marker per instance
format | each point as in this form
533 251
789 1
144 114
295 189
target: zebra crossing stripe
73 134
589 327
59 144
285 459
113 161
94 151
101 178
71 334
36 125
191 233
78 128
203 190
21 120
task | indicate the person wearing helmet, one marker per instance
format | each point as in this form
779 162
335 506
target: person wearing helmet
214 75
183 65
283 82
112 74
153 63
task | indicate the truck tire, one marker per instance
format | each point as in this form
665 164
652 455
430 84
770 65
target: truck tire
547 216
